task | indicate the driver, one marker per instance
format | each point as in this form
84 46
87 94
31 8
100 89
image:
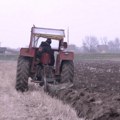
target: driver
46 47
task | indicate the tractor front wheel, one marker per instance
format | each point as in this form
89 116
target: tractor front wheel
67 72
22 74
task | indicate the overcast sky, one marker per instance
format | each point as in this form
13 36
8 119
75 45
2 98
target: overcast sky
83 17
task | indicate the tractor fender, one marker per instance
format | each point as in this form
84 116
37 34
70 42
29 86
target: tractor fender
61 58
27 52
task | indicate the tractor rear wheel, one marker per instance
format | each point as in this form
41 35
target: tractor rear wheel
67 72
22 74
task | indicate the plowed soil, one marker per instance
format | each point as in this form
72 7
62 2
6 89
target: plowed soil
95 94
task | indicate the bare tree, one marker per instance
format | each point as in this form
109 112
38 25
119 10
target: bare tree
117 44
114 46
90 44
104 41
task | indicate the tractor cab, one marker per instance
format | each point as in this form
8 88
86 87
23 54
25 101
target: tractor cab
41 34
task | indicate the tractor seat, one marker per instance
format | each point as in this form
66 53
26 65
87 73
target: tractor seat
45 59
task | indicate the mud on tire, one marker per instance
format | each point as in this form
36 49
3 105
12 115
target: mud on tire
22 74
67 72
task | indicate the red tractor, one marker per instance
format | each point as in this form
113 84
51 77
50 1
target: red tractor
30 65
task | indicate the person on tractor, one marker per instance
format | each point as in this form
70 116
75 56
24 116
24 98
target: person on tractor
45 47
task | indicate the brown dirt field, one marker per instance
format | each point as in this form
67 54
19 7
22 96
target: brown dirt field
95 94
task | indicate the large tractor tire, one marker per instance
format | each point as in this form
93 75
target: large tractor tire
67 72
22 74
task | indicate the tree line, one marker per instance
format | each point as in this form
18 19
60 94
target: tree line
91 44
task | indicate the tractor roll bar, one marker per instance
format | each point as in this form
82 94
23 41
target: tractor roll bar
36 32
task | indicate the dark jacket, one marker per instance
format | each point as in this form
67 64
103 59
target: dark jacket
47 48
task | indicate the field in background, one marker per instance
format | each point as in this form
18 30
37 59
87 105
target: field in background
8 57
107 56
32 105
97 56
